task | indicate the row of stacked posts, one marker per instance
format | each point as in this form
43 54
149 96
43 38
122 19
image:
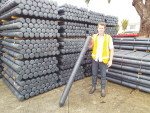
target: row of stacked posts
42 42
1 68
131 63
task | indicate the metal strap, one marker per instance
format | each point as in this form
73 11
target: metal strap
142 60
133 43
123 56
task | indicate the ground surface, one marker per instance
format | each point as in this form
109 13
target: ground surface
119 99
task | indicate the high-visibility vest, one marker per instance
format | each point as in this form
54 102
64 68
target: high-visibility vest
105 52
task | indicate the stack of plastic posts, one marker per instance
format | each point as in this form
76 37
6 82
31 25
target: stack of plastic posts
1 68
95 18
136 44
92 29
72 29
69 49
29 47
111 20
88 62
30 28
29 8
1 38
2 2
131 68
73 13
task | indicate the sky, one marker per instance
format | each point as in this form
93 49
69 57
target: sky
122 9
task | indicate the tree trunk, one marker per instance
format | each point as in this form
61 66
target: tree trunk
143 11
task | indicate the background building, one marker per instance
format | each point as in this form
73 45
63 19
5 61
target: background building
131 28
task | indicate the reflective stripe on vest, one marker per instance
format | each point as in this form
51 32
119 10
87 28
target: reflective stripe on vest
105 52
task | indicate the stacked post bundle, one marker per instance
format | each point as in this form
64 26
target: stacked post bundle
35 48
139 44
72 29
72 13
24 69
70 45
31 77
1 69
1 46
111 30
31 87
68 61
88 57
88 63
30 28
66 64
111 20
95 17
64 75
2 2
131 69
133 61
32 8
69 49
92 29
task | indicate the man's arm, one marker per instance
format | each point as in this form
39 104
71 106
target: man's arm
111 57
91 44
111 47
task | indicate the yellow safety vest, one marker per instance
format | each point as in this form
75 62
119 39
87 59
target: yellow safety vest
105 52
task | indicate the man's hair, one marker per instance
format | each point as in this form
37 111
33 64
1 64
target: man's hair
102 24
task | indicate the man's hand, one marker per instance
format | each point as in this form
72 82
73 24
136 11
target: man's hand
91 43
109 63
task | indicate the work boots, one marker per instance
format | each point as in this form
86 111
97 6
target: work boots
92 90
103 94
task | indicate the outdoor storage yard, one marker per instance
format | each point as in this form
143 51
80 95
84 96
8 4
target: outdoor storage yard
119 99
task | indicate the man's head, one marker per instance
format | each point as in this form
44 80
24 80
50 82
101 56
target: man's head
101 27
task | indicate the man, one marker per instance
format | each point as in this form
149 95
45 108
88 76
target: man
102 54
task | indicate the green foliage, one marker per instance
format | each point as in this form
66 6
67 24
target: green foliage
117 28
88 1
124 24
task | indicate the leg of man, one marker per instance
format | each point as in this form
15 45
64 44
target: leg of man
103 68
94 72
94 76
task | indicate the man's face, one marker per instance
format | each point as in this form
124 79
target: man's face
101 29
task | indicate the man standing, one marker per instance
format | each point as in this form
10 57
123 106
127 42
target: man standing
102 54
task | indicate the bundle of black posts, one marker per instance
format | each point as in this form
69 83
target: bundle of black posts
30 28
30 48
2 2
72 29
92 29
29 58
139 44
1 68
72 13
131 66
29 8
69 49
40 70
88 62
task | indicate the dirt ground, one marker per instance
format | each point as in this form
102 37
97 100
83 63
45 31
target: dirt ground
119 99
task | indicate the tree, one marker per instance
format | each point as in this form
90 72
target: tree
117 29
124 25
143 11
